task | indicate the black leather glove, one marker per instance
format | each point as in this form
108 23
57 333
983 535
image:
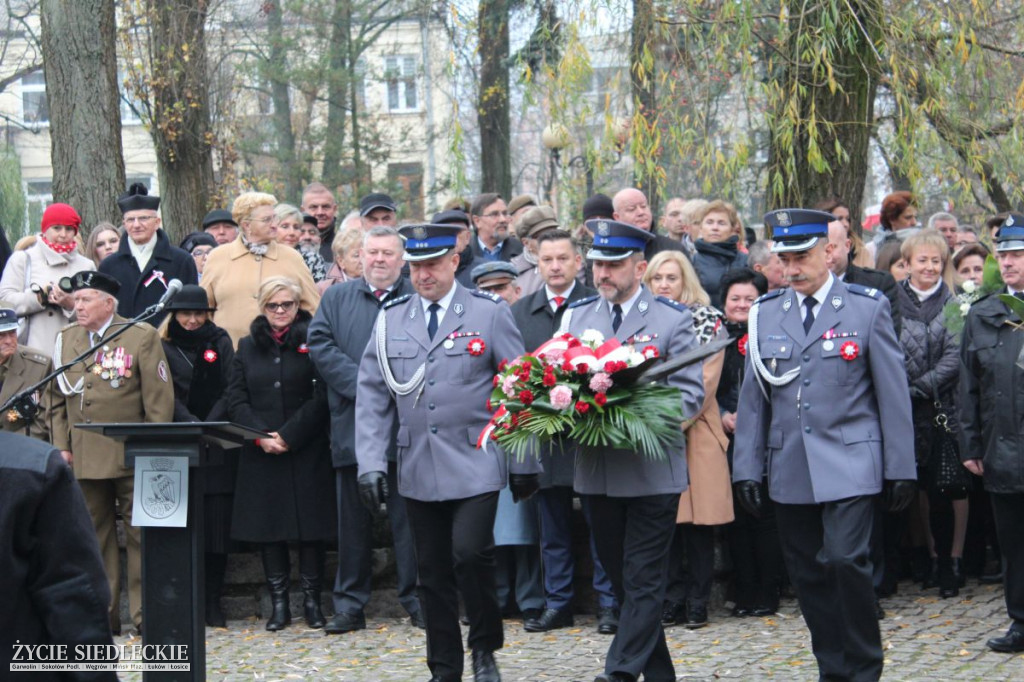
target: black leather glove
523 486
899 495
749 495
373 491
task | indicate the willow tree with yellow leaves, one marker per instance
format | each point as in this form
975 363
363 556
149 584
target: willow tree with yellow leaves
785 102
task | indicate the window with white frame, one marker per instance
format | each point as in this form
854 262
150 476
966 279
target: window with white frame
400 74
38 195
35 110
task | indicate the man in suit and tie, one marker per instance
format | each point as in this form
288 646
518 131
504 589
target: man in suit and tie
825 411
633 499
538 317
429 367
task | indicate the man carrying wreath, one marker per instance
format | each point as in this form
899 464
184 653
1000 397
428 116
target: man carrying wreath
633 498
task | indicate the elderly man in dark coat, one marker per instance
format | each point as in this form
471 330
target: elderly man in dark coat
51 575
337 338
146 262
538 316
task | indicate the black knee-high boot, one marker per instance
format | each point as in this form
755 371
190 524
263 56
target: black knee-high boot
216 565
277 567
311 571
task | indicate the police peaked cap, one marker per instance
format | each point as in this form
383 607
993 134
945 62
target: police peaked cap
797 229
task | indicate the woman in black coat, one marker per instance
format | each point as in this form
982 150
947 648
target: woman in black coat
199 354
285 486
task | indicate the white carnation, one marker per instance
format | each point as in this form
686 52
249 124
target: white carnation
965 308
969 286
592 337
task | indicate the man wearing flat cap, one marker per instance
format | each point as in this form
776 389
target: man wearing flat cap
429 367
221 225
497 277
632 499
146 262
992 409
125 380
20 367
377 209
534 222
825 411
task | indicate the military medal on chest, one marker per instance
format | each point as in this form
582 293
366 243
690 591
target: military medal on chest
113 365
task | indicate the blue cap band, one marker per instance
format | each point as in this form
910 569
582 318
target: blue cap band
805 231
430 243
622 243
1010 233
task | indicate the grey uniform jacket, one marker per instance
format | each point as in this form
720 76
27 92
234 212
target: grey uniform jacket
843 425
668 326
439 423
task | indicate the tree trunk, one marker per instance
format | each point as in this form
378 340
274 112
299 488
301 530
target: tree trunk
641 79
276 70
340 75
180 110
80 50
493 107
810 167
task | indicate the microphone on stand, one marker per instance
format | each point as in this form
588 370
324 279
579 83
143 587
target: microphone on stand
173 287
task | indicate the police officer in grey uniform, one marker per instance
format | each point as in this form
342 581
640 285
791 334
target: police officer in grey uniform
632 499
825 411
430 365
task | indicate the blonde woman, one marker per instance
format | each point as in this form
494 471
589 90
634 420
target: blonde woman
234 271
708 501
346 248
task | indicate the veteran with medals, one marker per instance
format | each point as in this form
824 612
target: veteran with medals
124 381
429 367
633 499
824 416
20 367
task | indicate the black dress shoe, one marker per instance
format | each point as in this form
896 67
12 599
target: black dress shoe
742 611
345 621
551 619
532 614
994 578
416 620
1010 643
673 613
614 677
607 620
696 616
763 611
484 667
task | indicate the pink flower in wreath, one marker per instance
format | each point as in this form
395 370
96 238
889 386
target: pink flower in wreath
561 397
600 383
508 385
554 356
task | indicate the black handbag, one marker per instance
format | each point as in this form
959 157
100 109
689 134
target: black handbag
947 473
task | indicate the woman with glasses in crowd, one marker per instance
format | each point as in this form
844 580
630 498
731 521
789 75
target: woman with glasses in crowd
285 485
199 245
234 271
291 232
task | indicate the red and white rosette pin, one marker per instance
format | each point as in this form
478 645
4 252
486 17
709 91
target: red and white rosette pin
476 346
741 344
210 355
849 350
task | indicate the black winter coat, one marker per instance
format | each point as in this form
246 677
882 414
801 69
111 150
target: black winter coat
201 373
338 336
538 323
276 388
712 261
135 295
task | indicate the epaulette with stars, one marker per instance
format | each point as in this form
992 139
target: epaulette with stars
494 298
396 301
770 295
870 292
583 301
670 303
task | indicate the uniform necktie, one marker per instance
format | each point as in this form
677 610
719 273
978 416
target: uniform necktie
1019 294
559 300
616 317
809 303
380 293
432 322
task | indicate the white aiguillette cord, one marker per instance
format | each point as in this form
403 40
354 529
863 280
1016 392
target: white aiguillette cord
762 373
382 361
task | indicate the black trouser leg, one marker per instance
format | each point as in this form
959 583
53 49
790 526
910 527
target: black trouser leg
1008 513
700 561
215 565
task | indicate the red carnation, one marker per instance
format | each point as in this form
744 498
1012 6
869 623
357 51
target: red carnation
489 408
611 367
494 434
503 365
582 368
526 397
600 399
566 366
549 379
574 343
497 379
582 407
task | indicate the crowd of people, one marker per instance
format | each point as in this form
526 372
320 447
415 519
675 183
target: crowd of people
344 339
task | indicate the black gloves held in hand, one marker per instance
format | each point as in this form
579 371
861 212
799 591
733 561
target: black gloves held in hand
373 491
748 493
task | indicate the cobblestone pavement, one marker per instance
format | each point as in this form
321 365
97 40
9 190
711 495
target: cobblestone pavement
925 638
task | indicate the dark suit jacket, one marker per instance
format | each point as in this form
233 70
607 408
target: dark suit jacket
538 323
882 281
135 295
512 247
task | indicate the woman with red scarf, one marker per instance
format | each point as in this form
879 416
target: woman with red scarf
285 486
29 282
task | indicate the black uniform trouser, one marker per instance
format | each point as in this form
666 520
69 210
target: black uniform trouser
756 557
1008 511
355 540
455 551
691 564
633 537
827 551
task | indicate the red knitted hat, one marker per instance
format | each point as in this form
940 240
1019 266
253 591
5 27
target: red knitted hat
61 214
